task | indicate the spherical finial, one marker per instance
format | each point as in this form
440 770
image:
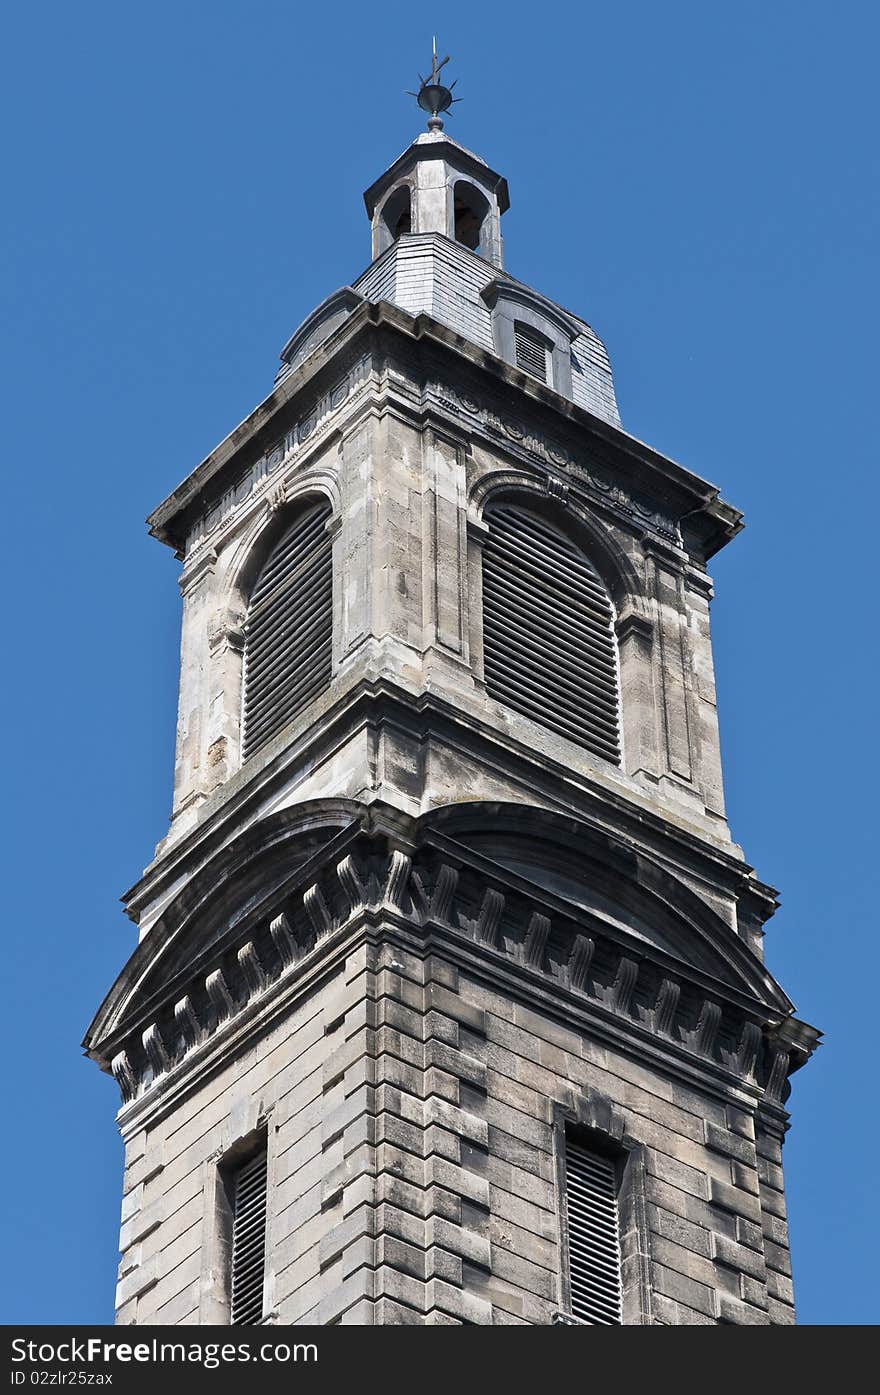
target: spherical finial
432 96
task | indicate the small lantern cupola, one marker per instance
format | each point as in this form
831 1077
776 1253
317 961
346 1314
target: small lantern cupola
437 186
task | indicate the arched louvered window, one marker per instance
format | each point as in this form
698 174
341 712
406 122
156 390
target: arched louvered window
288 645
549 649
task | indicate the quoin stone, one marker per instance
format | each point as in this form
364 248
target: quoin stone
449 1003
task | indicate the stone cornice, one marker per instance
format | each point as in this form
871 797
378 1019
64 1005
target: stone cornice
711 521
149 950
698 496
530 945
296 399
554 906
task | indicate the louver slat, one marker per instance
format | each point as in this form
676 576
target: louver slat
249 1242
593 1236
294 550
548 641
593 667
530 556
298 599
531 353
569 708
592 638
290 631
288 651
577 687
308 589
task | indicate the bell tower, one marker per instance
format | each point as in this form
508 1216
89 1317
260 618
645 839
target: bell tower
449 1002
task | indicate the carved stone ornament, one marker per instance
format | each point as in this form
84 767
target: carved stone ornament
277 497
533 444
225 630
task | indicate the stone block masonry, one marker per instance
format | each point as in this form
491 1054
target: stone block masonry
414 1119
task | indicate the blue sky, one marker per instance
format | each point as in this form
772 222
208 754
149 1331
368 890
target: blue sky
183 185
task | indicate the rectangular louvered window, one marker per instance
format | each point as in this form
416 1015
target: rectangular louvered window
248 1263
593 1236
531 351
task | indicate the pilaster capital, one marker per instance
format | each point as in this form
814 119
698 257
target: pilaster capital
632 624
196 572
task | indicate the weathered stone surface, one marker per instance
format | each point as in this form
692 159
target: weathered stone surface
730 1198
731 1310
739 1257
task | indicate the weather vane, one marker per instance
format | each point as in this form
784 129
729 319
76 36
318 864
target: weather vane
432 96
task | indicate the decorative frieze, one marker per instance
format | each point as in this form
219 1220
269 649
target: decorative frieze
522 438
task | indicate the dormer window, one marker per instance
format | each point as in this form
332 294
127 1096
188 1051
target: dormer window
470 209
531 349
317 327
532 333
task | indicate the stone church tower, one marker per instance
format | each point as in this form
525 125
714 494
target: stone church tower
449 1002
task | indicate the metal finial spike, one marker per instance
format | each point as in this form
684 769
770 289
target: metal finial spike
432 96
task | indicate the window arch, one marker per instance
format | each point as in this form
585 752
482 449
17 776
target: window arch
549 649
289 627
470 209
397 213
